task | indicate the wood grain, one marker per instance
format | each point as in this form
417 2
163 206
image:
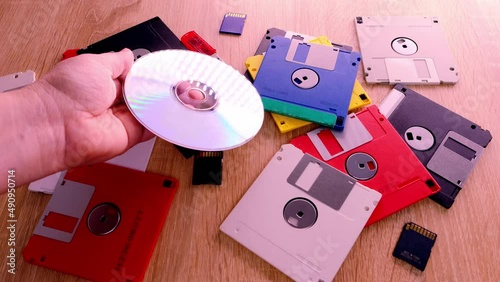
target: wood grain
191 247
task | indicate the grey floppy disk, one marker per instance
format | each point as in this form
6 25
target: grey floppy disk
446 143
410 50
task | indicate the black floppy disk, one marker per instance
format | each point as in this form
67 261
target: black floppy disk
144 38
447 144
149 36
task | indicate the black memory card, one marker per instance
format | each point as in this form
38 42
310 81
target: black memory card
414 245
207 168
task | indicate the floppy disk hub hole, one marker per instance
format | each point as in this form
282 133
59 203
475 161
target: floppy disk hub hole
419 138
305 78
404 46
300 213
361 166
103 219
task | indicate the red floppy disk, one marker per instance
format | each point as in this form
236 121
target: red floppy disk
371 150
102 223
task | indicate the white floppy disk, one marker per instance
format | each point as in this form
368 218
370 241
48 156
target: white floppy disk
301 215
16 80
410 50
136 158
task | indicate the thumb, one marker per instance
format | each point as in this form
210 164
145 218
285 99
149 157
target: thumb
119 63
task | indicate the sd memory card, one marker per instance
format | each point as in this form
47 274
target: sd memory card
233 23
414 245
207 168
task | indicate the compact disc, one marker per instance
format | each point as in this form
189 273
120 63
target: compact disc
193 100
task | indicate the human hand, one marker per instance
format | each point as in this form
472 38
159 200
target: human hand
85 92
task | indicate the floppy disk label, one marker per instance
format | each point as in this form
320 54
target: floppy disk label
16 80
305 201
67 205
331 143
448 144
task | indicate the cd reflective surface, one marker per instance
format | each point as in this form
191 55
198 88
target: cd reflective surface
193 100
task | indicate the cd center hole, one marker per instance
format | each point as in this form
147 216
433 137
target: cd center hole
300 214
196 94
103 219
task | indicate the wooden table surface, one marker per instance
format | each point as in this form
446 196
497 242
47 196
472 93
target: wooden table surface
34 34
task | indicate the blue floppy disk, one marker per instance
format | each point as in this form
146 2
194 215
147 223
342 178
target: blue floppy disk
307 81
